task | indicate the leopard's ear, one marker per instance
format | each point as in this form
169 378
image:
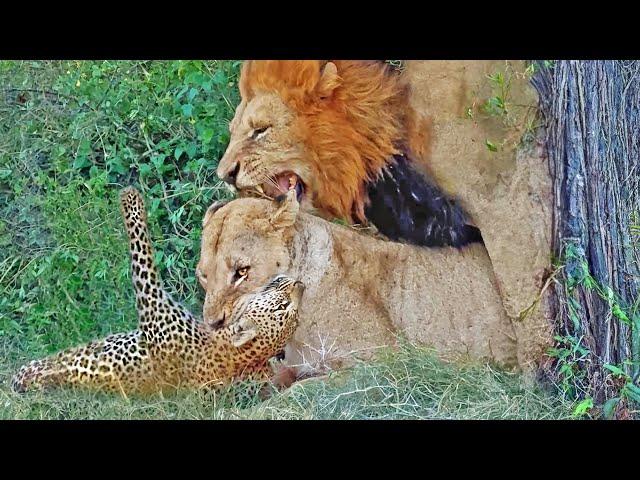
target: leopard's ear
213 209
286 214
329 80
242 332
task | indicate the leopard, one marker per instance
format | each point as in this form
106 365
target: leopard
171 348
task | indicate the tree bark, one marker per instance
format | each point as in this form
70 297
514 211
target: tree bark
592 116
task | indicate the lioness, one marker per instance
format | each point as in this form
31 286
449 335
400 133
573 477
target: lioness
360 291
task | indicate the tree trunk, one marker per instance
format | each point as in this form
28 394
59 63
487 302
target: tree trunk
592 116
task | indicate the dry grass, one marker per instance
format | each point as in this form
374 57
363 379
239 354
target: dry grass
408 384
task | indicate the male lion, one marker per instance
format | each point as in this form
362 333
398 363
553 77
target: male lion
340 129
360 291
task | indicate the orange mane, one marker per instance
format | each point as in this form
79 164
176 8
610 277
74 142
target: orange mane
351 133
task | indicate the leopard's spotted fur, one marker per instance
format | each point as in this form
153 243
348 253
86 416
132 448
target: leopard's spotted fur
171 348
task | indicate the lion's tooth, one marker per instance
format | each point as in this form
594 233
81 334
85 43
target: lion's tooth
259 188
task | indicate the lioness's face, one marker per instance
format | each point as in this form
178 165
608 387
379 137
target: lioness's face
266 151
244 244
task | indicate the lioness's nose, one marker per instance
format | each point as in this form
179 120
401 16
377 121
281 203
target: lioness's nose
230 173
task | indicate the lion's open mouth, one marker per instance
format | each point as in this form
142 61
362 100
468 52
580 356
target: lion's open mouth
284 182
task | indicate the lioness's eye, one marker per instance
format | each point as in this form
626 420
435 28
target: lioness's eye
258 132
240 275
242 272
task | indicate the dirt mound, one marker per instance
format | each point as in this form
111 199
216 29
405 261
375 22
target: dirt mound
475 114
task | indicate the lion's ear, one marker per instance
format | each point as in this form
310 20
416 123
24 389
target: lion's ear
237 116
245 73
287 212
329 80
213 209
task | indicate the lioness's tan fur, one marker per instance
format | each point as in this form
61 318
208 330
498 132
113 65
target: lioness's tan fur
360 291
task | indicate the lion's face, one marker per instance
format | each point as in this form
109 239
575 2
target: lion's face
244 244
330 127
265 152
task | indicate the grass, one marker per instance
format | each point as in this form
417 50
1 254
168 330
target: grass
71 135
406 384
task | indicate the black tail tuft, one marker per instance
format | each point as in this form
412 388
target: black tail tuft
405 205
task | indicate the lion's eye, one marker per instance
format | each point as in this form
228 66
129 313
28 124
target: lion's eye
259 132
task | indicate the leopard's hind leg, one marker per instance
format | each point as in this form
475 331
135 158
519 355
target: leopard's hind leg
157 311
118 363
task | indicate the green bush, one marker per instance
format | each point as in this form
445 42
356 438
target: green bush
73 134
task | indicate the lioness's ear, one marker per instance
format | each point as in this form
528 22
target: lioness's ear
242 332
287 212
213 209
329 80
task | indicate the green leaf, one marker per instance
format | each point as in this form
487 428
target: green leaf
219 78
609 407
117 166
491 146
191 150
187 109
145 169
620 315
195 77
565 369
631 391
615 370
182 92
81 161
609 293
583 407
206 135
158 163
178 152
589 282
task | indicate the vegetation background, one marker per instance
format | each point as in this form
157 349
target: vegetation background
72 133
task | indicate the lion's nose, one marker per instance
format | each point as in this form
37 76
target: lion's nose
230 175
